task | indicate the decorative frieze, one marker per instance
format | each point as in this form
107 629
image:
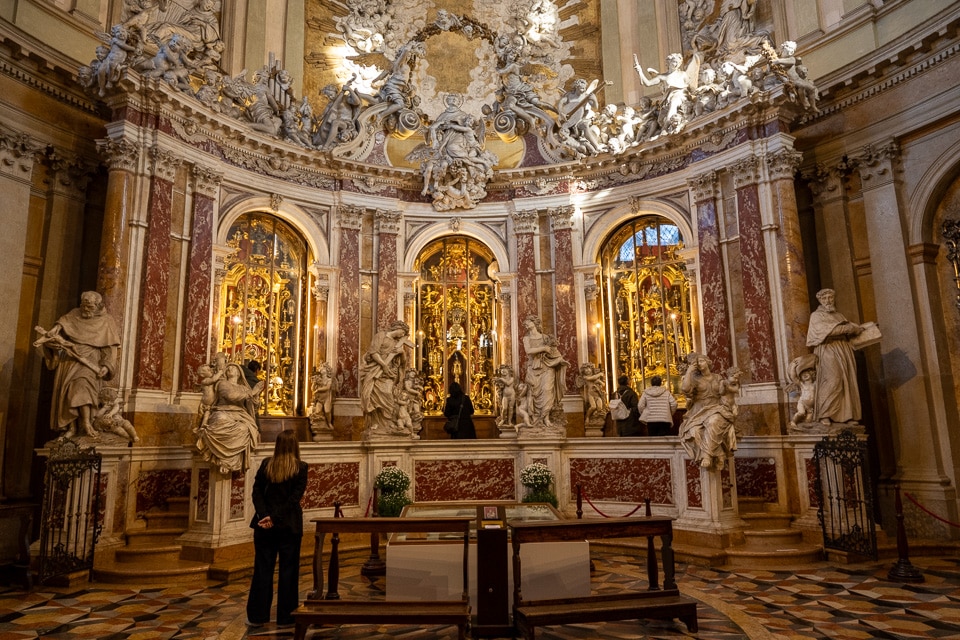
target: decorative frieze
165 163
278 167
119 154
350 217
388 221
783 164
525 221
704 187
745 172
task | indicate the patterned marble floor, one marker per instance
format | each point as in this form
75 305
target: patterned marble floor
816 601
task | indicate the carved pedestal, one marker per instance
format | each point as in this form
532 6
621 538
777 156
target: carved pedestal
220 513
711 512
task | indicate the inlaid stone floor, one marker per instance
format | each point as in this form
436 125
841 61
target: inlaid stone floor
815 601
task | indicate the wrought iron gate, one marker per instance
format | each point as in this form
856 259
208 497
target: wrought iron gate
70 517
845 501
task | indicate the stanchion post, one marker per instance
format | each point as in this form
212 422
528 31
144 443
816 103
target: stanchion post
651 553
579 501
903 570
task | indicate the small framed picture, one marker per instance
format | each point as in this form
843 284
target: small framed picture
490 513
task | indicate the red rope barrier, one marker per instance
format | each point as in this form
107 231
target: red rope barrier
369 504
590 502
928 512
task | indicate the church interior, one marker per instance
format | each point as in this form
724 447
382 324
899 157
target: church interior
231 219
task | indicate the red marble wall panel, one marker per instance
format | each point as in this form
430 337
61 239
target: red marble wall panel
756 287
440 480
203 495
332 482
527 304
154 287
101 498
622 479
811 469
387 281
726 488
757 478
154 488
237 486
691 472
566 305
348 323
716 324
196 309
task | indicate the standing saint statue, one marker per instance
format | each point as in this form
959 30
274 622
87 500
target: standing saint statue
381 380
82 348
836 396
545 376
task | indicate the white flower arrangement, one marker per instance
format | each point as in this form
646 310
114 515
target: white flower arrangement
537 475
392 480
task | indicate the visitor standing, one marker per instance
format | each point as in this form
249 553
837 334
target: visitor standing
629 426
277 531
459 407
656 407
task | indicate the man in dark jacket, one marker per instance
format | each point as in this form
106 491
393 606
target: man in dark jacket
629 426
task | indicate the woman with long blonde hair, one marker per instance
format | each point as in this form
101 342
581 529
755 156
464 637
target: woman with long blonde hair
277 531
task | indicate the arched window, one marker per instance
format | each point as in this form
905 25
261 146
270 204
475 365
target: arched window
646 302
263 306
456 323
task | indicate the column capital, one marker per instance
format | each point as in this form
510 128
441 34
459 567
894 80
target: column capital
350 217
825 181
704 186
590 292
206 182
119 154
388 221
745 172
561 217
525 221
783 164
875 163
18 152
165 163
72 173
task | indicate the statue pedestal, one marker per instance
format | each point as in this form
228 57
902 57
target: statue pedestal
711 517
220 514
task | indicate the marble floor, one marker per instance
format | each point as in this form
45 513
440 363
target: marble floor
813 601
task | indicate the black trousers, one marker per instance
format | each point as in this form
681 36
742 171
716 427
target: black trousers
269 544
659 428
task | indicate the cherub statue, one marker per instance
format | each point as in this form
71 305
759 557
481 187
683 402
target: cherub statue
505 382
108 419
788 66
323 386
590 380
115 61
676 83
802 374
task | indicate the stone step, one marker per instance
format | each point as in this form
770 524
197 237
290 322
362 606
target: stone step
166 520
763 521
170 553
155 572
747 556
767 538
154 537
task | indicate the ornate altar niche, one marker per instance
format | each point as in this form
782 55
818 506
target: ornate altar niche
647 300
456 326
263 305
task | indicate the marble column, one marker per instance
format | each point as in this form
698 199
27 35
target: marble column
753 264
387 226
122 158
197 309
561 221
784 238
715 311
18 153
525 226
155 281
919 461
350 221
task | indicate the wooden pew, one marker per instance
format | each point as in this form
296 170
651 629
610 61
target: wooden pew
655 602
329 609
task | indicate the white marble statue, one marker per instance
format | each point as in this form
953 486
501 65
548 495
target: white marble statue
82 348
506 384
791 70
837 398
676 83
545 377
802 374
227 433
381 380
108 419
338 122
323 387
708 432
592 384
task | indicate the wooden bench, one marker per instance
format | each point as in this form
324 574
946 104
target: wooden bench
329 609
654 603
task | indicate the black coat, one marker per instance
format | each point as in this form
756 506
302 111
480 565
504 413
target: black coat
629 426
451 409
279 500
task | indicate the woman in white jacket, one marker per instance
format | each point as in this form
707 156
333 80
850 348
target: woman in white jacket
656 408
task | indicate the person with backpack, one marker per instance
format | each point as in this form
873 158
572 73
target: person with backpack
656 407
628 426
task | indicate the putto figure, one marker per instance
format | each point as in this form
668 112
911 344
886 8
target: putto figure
82 348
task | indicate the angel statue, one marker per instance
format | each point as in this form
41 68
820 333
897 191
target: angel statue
676 84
